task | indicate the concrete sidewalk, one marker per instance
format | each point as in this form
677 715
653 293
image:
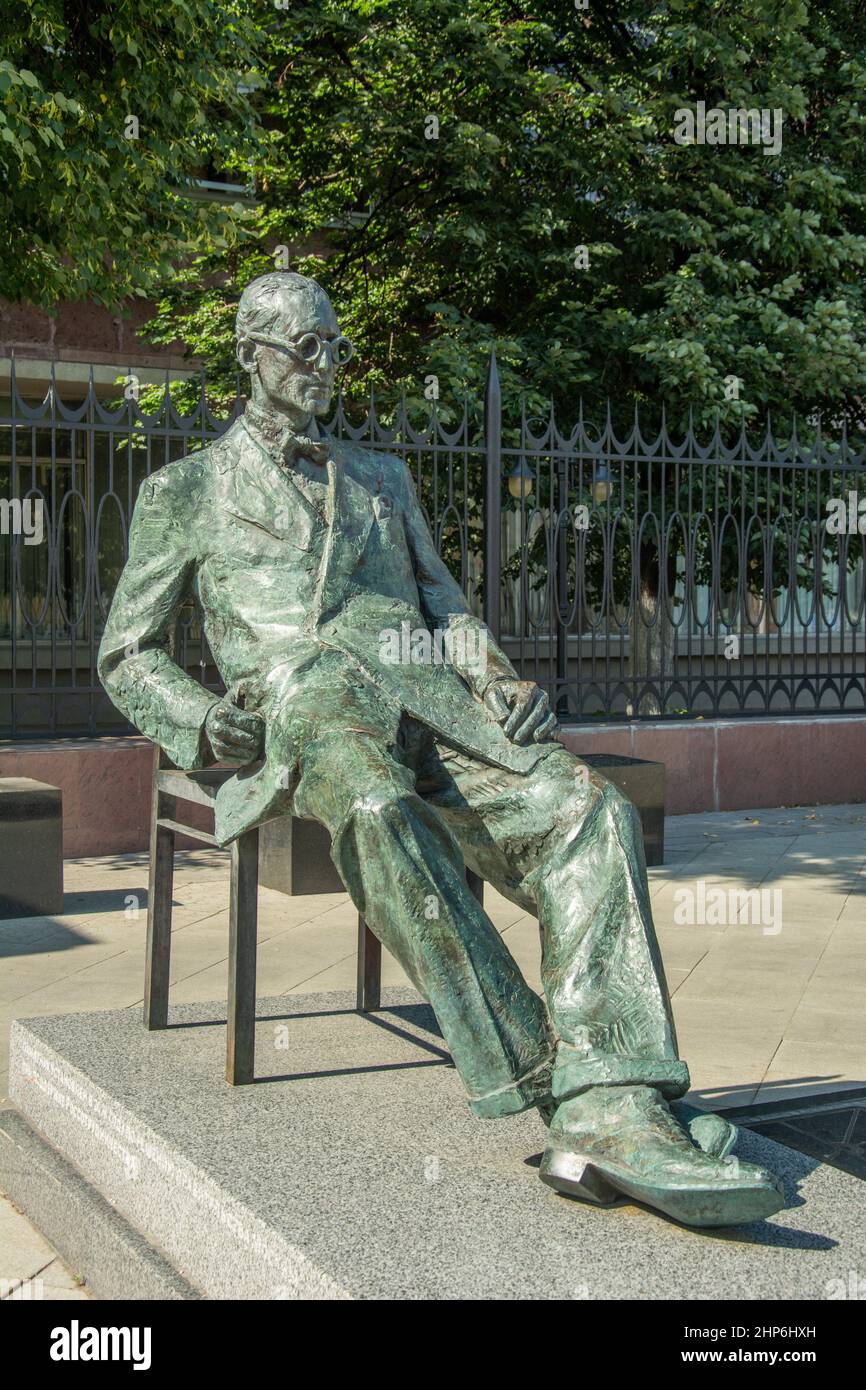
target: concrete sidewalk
766 1008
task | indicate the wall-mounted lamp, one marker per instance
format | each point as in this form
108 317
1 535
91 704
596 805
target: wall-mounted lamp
601 484
521 480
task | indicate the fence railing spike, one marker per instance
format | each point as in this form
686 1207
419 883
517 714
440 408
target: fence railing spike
493 498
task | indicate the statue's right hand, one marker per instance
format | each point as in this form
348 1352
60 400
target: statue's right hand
235 735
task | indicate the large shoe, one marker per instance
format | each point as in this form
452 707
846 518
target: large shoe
622 1141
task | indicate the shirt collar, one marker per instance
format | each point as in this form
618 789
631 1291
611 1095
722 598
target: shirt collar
281 441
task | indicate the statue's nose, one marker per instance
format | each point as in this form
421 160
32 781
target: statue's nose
325 363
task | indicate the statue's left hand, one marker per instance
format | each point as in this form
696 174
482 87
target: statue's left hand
522 708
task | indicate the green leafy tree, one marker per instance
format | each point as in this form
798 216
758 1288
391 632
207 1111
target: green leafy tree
108 108
464 174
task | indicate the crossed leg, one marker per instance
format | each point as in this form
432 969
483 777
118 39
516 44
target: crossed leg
566 848
565 844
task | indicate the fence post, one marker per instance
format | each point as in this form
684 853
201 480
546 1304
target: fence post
559 587
493 500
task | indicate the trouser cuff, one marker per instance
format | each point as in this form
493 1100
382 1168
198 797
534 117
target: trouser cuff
574 1074
518 1095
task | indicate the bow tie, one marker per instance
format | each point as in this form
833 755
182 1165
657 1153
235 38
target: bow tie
300 446
284 444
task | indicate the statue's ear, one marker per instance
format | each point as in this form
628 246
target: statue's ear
246 351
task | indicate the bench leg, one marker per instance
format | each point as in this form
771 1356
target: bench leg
243 913
369 993
158 950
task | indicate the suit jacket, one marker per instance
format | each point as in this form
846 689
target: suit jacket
277 587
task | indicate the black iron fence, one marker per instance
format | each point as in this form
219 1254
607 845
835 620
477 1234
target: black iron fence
630 576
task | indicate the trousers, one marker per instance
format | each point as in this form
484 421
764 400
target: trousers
408 815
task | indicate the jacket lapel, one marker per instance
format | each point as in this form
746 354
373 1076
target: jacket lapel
257 491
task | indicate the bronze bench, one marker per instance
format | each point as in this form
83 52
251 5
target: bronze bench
294 859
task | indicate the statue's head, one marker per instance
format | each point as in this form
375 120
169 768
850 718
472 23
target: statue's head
289 341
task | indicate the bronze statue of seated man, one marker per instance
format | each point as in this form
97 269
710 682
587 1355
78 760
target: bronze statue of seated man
306 555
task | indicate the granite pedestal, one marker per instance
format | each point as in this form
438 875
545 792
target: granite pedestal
31 848
643 783
295 858
354 1169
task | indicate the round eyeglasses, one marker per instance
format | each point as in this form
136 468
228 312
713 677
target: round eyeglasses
310 347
